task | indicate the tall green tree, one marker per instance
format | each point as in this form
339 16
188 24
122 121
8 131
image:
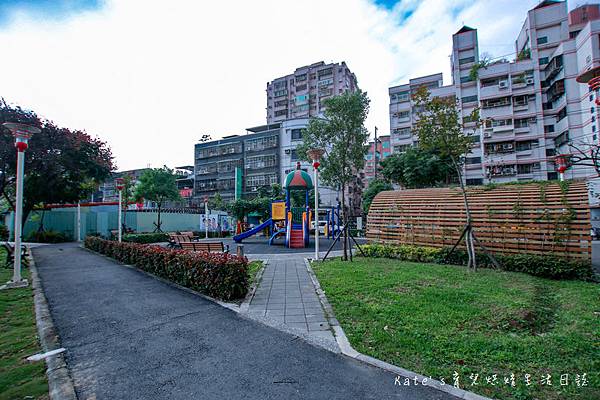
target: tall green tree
418 168
375 187
439 129
61 165
343 137
158 185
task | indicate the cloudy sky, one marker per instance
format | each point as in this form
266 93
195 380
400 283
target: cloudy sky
151 76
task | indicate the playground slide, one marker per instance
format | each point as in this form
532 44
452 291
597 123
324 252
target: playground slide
253 231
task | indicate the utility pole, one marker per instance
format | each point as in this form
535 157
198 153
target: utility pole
375 156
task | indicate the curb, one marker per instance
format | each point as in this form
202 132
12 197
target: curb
60 384
257 279
347 349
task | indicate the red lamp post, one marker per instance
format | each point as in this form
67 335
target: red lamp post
22 134
120 185
562 161
315 155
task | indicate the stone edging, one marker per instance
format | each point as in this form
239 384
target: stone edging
60 384
347 349
246 303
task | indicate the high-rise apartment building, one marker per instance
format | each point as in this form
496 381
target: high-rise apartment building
299 95
532 107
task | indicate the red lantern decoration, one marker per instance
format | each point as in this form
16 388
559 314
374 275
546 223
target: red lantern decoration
21 146
316 164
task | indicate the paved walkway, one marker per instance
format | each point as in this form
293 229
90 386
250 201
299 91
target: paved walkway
286 295
130 336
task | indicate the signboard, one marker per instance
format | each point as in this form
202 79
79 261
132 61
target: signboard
278 211
238 183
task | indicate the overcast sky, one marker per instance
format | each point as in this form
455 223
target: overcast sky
150 77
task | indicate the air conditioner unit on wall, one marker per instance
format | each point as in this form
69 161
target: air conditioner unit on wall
288 151
529 81
503 84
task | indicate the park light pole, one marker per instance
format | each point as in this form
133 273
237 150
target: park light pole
315 155
22 134
120 185
561 160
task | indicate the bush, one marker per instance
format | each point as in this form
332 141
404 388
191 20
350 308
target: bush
220 275
3 232
47 237
145 238
546 266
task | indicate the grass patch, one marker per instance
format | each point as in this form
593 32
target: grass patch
18 339
436 320
253 268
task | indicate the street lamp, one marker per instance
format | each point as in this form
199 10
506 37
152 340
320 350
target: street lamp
206 217
562 161
22 134
120 185
315 155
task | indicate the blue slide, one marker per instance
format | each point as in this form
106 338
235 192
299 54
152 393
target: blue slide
253 231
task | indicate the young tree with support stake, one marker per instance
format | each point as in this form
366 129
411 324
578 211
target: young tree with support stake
158 185
439 129
343 136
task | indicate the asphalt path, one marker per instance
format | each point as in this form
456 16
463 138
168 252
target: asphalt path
130 336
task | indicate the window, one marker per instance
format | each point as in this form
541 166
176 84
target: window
296 134
300 88
543 60
400 97
280 113
279 93
475 138
561 139
520 100
401 131
469 99
465 79
294 155
496 102
527 145
561 114
474 181
550 152
466 60
403 114
548 128
542 40
301 78
552 176
262 143
472 160
280 103
261 162
592 97
521 123
592 110
401 148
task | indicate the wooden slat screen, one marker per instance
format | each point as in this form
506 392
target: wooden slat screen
521 218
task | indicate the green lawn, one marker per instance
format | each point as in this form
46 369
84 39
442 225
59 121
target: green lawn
436 320
253 268
18 340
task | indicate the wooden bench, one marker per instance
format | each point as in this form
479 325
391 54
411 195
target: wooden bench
211 247
10 255
175 240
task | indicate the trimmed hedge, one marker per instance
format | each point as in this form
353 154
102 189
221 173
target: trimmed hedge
49 236
545 266
145 238
220 275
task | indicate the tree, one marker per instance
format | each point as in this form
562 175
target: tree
343 137
439 129
216 202
584 155
158 185
61 165
128 196
375 186
418 168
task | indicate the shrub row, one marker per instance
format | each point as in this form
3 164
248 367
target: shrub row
145 238
49 236
547 266
220 275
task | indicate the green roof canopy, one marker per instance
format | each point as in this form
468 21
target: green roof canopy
298 179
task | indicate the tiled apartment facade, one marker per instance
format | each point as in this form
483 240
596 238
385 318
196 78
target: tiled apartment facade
300 95
531 107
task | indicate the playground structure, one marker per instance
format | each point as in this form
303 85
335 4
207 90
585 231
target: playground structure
293 222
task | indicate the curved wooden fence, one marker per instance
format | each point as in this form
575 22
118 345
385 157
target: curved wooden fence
521 218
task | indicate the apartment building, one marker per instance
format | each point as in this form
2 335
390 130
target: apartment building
300 95
379 153
532 106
